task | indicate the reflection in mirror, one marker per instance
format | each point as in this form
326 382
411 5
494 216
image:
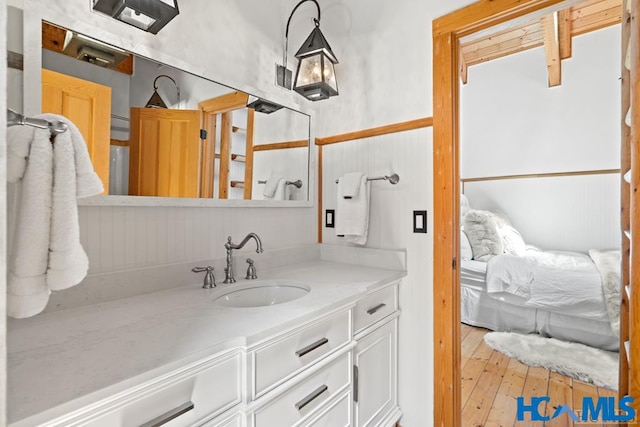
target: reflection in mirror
154 130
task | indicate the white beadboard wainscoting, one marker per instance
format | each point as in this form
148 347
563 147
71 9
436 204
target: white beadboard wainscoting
575 213
409 154
124 238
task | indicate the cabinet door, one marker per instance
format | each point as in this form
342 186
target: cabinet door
375 375
88 106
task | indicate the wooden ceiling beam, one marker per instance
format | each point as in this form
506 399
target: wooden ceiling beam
564 33
476 56
464 69
582 24
551 49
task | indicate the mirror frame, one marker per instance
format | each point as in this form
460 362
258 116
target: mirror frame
32 100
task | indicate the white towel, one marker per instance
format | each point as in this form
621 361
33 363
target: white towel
27 291
281 191
271 186
352 215
46 253
351 184
87 181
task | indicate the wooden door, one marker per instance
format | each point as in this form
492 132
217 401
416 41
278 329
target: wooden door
165 149
88 106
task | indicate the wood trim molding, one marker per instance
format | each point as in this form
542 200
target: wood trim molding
377 131
447 32
248 160
486 13
320 215
119 142
225 103
303 143
540 175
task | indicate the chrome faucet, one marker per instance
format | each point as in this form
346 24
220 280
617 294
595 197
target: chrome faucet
229 277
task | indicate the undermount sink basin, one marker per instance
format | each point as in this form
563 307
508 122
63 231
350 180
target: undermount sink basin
260 294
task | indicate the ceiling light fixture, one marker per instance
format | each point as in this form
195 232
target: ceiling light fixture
315 76
262 105
148 15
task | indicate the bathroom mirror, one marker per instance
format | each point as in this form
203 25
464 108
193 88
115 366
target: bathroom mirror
155 131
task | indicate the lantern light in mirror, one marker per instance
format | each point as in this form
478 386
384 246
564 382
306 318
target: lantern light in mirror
156 100
315 76
148 15
262 105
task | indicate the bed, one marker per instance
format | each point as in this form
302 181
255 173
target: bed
566 295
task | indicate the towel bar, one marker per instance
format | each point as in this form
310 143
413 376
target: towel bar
15 119
297 184
393 178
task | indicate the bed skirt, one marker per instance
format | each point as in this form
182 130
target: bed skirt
479 309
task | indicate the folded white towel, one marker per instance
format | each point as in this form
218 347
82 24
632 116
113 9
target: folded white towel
18 151
352 215
351 184
27 292
271 186
45 251
88 183
68 263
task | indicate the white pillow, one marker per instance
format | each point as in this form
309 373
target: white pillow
512 241
481 228
466 253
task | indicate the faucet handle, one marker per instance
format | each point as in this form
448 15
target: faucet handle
251 270
209 278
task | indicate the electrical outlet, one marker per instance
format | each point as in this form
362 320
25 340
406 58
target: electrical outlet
419 221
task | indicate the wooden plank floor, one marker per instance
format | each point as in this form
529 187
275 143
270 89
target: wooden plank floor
492 382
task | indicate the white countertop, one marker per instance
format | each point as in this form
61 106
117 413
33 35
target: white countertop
77 356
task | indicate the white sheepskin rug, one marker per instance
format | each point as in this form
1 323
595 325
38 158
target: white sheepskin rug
574 360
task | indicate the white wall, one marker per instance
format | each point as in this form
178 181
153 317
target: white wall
512 123
384 77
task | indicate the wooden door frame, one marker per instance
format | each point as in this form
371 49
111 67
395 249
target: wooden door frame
447 31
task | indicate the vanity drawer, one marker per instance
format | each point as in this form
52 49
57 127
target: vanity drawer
275 362
306 398
374 307
183 402
337 414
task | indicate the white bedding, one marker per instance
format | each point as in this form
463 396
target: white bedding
563 282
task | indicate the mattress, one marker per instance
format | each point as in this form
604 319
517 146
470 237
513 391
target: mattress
506 314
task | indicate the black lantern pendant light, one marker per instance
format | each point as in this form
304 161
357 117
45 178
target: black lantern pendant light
315 76
148 15
156 100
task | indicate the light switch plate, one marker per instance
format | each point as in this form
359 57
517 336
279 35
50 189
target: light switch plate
419 221
330 218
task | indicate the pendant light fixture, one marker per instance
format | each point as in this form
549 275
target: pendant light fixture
156 100
148 15
315 77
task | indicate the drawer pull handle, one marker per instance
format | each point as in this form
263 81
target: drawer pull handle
355 383
311 397
372 310
311 347
169 415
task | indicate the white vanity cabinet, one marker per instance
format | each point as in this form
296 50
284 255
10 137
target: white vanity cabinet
338 369
375 369
184 397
